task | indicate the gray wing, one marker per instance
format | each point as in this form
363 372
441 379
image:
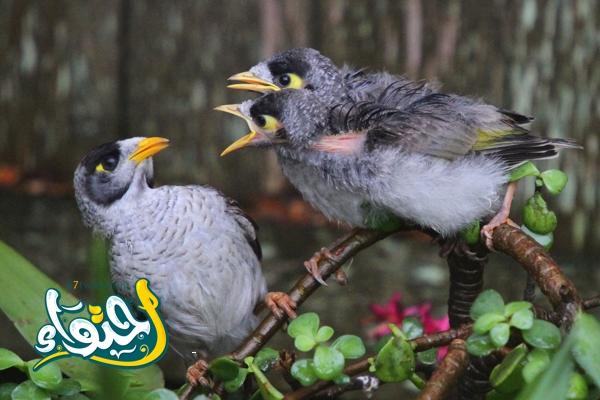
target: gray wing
248 225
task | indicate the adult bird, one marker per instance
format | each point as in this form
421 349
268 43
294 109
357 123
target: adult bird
440 161
197 248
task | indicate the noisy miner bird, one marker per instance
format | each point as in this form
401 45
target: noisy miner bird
442 161
197 248
306 68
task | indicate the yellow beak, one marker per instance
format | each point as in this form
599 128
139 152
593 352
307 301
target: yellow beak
238 144
252 82
148 147
252 137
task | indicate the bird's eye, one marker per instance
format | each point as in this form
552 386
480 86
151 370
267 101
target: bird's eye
290 81
260 121
108 164
267 123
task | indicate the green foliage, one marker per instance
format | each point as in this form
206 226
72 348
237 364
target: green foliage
471 233
527 169
224 369
328 361
396 361
494 320
554 180
536 374
536 216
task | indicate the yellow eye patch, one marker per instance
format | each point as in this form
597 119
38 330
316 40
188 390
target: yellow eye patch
100 168
267 123
290 81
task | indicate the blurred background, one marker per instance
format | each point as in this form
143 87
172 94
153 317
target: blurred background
76 74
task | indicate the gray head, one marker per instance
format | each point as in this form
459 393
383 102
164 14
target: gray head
300 68
108 172
290 119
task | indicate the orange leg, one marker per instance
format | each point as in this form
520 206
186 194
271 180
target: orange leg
195 373
276 302
501 217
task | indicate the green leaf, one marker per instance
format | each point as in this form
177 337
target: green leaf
471 233
494 395
382 342
9 359
224 368
488 302
329 362
48 377
67 387
428 356
23 293
578 387
304 372
324 334
522 319
304 324
412 328
6 389
234 384
554 382
527 169
29 391
267 391
350 346
542 334
161 394
486 322
480 344
500 334
507 377
586 349
266 358
539 360
536 216
544 240
554 180
515 306
341 379
395 362
76 396
304 343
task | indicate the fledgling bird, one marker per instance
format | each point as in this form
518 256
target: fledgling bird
306 68
197 248
441 161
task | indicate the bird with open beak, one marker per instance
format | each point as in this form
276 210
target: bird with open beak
196 247
440 161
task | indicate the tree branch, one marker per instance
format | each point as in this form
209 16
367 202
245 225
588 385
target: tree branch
559 290
446 377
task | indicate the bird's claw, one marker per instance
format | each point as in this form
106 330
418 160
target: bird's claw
279 302
313 268
195 374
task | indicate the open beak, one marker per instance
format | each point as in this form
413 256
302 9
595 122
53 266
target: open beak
148 147
252 138
252 82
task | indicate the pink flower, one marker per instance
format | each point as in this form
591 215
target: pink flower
393 312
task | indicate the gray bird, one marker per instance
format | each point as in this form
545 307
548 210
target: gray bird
441 161
197 248
306 68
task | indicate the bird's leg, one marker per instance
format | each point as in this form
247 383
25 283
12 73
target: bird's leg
195 373
276 302
311 266
501 217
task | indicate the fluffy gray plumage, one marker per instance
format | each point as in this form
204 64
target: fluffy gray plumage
333 85
438 160
196 247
